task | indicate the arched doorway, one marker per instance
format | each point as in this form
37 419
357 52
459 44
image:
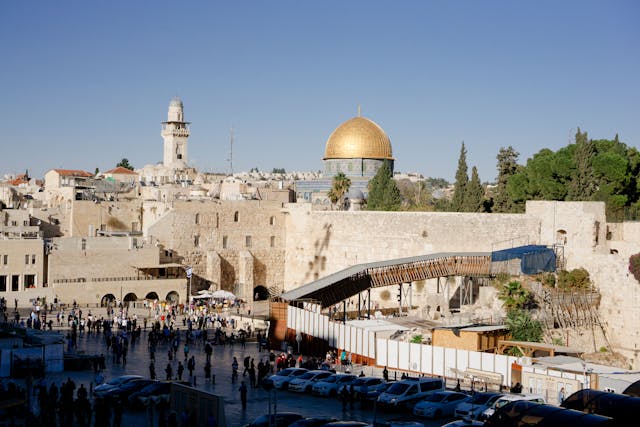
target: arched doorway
260 293
107 300
130 297
173 297
151 296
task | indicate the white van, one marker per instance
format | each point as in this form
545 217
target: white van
408 391
508 398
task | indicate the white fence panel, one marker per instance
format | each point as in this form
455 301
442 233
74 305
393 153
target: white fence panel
365 343
503 367
359 341
392 353
414 357
381 352
474 360
290 317
325 328
450 361
426 363
341 340
488 362
403 355
438 361
462 360
372 346
305 325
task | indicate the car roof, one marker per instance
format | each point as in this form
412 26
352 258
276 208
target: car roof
520 396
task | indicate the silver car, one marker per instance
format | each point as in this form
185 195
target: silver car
330 385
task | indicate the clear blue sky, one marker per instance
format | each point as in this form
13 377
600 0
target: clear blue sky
86 83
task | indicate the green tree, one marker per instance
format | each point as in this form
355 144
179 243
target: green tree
125 164
474 193
462 178
339 188
523 327
583 182
514 296
507 167
384 194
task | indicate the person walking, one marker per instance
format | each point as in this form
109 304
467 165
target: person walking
186 351
152 370
169 371
234 369
191 365
180 370
243 395
561 396
385 374
207 371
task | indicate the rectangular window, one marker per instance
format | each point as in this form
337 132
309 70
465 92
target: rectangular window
15 281
5 259
224 242
29 281
26 259
196 241
247 241
84 244
33 259
273 241
3 283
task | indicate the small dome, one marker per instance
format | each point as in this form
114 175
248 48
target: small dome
358 138
176 102
354 194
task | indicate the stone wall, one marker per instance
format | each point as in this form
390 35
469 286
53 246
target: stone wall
319 243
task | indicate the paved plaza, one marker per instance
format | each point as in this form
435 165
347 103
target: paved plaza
258 399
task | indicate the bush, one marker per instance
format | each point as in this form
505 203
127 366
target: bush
574 279
416 339
634 266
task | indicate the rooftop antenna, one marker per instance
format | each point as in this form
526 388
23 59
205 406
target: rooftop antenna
230 159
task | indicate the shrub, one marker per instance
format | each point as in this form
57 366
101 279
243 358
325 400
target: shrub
416 339
574 279
634 266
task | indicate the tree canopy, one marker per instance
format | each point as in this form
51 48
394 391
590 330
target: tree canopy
384 194
125 164
339 188
462 178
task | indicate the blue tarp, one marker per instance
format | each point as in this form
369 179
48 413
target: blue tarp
533 258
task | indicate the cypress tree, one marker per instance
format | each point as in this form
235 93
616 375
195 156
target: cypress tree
474 194
383 191
507 167
462 178
583 181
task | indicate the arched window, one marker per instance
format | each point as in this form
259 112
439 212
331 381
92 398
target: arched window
561 237
197 218
236 215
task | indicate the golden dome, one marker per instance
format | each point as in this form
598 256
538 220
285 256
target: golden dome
358 138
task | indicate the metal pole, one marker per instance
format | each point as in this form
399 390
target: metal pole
344 311
369 302
410 298
400 300
359 303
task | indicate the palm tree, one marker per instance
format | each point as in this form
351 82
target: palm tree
340 187
513 295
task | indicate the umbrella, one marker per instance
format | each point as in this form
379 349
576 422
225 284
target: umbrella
220 294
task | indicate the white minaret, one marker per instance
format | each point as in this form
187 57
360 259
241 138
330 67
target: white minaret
175 132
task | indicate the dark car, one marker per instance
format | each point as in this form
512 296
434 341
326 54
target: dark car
159 388
125 390
313 422
346 424
281 419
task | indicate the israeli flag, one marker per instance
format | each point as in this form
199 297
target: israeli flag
189 271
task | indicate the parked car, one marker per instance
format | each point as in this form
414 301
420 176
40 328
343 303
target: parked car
330 385
472 408
374 394
125 390
406 392
304 382
464 423
281 419
440 404
100 390
346 424
507 398
282 379
313 422
158 388
371 383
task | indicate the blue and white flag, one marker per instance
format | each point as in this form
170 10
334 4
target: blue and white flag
189 271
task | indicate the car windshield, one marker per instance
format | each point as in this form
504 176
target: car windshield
285 373
398 388
501 402
307 376
116 381
345 378
480 399
297 373
150 387
331 379
436 397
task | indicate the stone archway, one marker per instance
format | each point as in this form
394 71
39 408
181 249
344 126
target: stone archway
261 293
130 297
151 296
173 297
108 299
